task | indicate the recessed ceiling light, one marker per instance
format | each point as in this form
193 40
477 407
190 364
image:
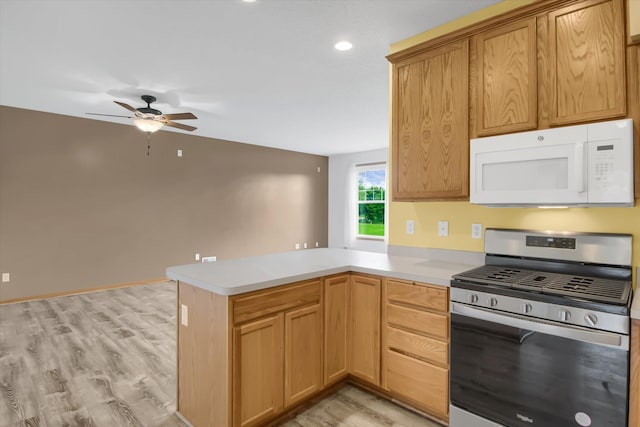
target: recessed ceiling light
249 1
343 45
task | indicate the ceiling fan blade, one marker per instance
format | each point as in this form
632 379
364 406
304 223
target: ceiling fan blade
180 116
127 106
109 115
180 126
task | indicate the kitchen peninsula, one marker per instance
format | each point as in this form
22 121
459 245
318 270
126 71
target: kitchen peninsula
259 336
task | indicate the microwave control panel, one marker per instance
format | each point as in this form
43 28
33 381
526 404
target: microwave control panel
609 164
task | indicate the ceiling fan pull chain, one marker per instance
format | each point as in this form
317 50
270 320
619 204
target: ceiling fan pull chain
148 143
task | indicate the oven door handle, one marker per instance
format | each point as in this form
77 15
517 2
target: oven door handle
607 339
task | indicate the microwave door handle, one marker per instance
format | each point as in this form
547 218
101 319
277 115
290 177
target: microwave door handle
579 167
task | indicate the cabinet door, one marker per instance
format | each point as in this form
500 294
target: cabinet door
420 383
303 353
506 79
336 309
430 139
364 328
258 371
587 60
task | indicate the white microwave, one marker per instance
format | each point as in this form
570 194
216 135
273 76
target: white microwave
584 165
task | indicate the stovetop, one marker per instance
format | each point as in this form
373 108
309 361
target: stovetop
586 288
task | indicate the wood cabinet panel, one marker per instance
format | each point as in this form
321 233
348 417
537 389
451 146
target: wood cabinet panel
431 350
303 353
430 133
420 383
364 328
634 386
425 322
506 76
264 303
258 371
587 61
203 383
336 344
430 297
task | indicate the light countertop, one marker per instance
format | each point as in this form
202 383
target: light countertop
237 276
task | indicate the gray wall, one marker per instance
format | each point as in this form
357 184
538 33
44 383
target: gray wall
82 206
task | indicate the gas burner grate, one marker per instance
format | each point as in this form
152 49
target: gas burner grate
588 288
591 288
492 274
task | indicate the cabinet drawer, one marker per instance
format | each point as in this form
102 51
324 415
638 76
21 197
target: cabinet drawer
430 349
430 297
420 383
419 321
272 301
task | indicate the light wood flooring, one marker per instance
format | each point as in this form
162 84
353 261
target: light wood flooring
109 359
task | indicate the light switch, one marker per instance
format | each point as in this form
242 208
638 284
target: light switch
184 315
6 277
179 153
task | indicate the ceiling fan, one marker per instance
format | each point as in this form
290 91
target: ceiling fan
149 119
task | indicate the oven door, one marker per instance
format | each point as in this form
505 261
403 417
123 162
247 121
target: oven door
518 372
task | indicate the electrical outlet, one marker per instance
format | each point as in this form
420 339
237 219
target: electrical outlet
318 169
6 277
197 256
410 226
184 315
317 244
297 245
305 245
208 259
443 228
476 231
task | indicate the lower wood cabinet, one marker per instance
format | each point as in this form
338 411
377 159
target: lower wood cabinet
302 353
336 342
364 328
277 360
258 370
419 383
415 345
634 386
244 360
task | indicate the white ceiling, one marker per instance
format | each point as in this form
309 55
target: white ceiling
263 73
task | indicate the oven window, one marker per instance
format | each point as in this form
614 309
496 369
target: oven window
518 377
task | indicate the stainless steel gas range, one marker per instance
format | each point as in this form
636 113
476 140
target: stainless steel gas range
540 333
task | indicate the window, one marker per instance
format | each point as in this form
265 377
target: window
372 189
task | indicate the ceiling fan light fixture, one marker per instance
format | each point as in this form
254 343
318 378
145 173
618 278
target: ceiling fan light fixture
148 125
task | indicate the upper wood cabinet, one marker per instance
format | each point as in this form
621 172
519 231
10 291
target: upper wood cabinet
430 138
506 84
548 63
586 49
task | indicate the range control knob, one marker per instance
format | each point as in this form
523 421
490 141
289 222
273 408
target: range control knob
591 319
564 315
492 302
526 308
473 298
